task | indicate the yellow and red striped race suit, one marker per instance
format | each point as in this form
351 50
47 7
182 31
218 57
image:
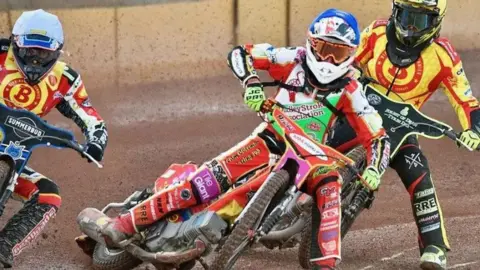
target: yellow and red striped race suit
63 89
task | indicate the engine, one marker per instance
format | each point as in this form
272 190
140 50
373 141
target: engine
168 236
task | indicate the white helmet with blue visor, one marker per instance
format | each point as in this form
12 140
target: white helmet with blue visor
37 39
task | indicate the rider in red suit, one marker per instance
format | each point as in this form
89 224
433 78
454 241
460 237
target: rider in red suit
31 77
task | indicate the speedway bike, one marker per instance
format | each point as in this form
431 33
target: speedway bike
170 244
22 131
400 121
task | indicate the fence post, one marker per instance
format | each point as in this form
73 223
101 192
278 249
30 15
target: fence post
287 23
235 22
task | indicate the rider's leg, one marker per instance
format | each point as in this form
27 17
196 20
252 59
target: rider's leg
326 217
412 167
207 183
41 202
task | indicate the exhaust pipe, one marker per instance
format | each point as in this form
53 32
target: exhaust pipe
175 258
285 234
90 221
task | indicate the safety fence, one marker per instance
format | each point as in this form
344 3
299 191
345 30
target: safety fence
131 41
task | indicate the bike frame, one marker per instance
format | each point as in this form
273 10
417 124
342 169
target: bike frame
301 150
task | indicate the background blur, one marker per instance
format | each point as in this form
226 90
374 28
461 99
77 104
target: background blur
130 41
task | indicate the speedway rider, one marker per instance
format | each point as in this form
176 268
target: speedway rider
410 61
32 78
320 70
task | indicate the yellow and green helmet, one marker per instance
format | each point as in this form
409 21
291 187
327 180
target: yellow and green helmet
417 21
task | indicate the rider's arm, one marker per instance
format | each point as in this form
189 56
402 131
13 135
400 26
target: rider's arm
247 59
76 106
368 38
367 123
457 87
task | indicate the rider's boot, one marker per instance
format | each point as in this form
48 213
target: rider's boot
328 264
23 228
115 230
433 258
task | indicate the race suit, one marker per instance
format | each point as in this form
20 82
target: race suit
439 66
61 88
216 176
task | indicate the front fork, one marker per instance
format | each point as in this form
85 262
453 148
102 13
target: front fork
8 192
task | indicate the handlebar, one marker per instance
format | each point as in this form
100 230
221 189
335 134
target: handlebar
75 146
456 137
81 150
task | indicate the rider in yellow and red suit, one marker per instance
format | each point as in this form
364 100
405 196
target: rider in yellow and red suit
321 70
409 60
31 77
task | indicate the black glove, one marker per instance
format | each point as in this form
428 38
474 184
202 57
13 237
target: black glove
94 150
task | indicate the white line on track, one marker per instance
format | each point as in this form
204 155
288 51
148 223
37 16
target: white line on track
462 265
398 226
396 255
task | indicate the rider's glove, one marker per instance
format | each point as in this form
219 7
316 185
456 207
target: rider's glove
371 178
254 96
470 138
94 150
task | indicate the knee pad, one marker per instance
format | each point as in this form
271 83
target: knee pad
48 193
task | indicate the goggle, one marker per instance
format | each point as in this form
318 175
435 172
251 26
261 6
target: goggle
415 20
325 50
36 56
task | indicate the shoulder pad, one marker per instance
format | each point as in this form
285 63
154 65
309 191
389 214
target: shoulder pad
379 23
447 46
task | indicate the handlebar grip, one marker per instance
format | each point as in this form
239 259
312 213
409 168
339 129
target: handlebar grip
451 134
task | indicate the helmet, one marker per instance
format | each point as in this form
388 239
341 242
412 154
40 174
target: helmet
37 40
332 39
417 21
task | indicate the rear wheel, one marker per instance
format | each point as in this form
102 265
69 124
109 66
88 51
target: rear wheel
305 243
113 259
240 237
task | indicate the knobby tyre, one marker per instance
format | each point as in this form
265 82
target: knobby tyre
358 155
305 243
108 259
4 173
227 256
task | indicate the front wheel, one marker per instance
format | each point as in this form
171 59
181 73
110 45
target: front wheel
241 235
5 169
113 259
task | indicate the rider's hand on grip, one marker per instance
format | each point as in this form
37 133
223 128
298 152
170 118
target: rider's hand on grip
371 178
94 150
470 138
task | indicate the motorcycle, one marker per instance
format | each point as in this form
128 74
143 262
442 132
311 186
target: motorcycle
172 242
21 131
302 158
400 121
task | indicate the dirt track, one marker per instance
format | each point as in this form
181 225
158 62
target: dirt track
182 121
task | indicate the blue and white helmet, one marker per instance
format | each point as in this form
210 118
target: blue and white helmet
332 40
